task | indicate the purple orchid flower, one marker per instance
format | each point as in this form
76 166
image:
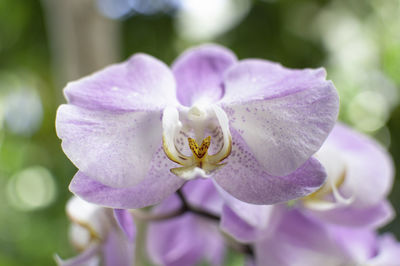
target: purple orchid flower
301 240
360 176
188 239
102 239
137 130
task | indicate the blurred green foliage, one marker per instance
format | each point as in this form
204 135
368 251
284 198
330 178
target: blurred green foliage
291 32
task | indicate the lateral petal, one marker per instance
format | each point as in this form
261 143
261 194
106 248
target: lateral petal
114 149
284 115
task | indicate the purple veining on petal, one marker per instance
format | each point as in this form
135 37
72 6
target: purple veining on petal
267 80
288 113
115 149
246 179
141 83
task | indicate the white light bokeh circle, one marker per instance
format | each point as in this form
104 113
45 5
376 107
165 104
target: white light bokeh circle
368 111
23 112
204 20
32 188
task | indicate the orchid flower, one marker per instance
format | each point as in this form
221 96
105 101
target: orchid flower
137 131
101 239
301 240
360 176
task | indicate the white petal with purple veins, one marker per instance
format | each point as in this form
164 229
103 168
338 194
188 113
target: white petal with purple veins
114 149
283 115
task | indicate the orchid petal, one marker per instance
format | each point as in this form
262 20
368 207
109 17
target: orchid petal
114 149
389 250
372 217
199 73
248 222
235 226
125 222
118 250
202 193
141 83
299 239
358 243
258 216
307 241
150 191
244 178
175 242
283 115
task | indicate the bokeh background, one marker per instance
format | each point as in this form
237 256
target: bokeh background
44 44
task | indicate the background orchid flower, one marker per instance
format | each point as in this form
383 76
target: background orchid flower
301 240
137 130
101 239
359 178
